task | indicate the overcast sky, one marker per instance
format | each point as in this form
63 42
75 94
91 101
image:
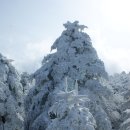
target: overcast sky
29 27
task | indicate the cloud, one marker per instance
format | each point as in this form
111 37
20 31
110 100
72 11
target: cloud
114 55
31 56
116 13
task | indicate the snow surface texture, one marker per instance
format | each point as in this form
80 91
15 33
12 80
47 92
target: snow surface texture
76 59
11 97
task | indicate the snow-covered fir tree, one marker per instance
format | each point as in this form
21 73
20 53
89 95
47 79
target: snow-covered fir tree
75 58
120 83
11 97
125 118
120 86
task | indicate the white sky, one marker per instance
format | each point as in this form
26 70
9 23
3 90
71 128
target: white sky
28 28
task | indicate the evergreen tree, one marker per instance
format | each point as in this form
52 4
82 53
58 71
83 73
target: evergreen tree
75 56
11 97
76 59
125 118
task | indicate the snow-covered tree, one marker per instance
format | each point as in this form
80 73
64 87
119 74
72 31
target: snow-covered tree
120 86
125 125
75 56
76 59
120 83
125 118
11 97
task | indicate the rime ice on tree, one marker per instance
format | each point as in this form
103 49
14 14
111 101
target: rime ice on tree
77 59
11 97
